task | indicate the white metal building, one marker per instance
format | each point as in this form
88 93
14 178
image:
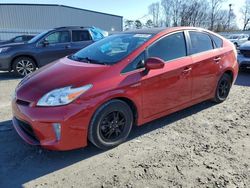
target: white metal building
17 19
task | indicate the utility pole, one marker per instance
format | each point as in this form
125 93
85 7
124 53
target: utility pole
229 15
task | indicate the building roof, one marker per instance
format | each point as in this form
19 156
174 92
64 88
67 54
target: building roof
57 5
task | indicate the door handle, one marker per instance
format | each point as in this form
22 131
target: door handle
217 59
186 70
67 46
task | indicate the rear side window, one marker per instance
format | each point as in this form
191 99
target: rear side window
170 47
201 42
217 40
80 35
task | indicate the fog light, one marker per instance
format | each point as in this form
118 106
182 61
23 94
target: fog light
57 129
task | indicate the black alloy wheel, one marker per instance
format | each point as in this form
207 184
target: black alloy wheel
111 124
223 88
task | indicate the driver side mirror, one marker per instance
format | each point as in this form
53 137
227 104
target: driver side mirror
154 63
45 43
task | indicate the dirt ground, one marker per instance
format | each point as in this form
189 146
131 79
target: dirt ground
206 145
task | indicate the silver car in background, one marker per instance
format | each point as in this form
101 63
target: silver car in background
238 39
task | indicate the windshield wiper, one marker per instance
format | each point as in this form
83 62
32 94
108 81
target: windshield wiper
88 60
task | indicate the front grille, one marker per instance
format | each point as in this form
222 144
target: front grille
27 129
23 103
245 53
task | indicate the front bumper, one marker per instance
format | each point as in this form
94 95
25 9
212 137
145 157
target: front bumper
35 125
5 62
244 62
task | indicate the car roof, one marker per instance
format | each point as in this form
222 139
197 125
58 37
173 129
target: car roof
155 31
72 27
146 31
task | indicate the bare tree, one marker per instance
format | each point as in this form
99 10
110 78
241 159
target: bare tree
194 13
154 10
176 6
167 11
215 8
245 11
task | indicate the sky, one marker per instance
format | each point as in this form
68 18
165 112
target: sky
129 9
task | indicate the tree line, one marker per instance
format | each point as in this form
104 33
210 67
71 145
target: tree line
210 14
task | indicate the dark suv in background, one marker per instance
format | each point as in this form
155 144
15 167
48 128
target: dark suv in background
24 58
17 39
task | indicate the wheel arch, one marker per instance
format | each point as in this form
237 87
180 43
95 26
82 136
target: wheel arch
230 73
23 55
125 99
132 105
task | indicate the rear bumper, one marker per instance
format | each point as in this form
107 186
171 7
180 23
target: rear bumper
35 126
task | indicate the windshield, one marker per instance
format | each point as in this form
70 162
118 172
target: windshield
37 37
112 49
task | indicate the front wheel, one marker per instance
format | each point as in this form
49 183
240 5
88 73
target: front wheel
111 124
223 88
23 66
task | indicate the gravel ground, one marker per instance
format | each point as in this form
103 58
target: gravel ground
206 145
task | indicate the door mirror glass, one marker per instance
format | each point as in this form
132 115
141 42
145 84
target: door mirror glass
154 63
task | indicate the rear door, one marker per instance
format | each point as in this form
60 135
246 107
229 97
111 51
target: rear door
169 87
80 39
206 58
58 46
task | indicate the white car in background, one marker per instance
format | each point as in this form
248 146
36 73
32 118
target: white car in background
238 39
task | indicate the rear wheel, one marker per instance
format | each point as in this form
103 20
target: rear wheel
23 66
223 88
111 124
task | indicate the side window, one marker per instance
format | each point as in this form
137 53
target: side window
80 35
201 42
137 63
218 41
169 48
58 37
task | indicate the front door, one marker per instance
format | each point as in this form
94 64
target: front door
170 87
57 46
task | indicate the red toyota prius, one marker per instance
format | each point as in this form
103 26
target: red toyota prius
126 79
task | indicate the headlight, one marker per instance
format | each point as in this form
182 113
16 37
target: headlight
62 96
3 49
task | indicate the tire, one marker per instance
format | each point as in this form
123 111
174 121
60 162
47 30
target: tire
105 131
223 88
23 66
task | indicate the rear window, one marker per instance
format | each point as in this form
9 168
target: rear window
217 40
80 35
201 42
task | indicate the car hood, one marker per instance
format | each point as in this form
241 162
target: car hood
59 74
245 46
